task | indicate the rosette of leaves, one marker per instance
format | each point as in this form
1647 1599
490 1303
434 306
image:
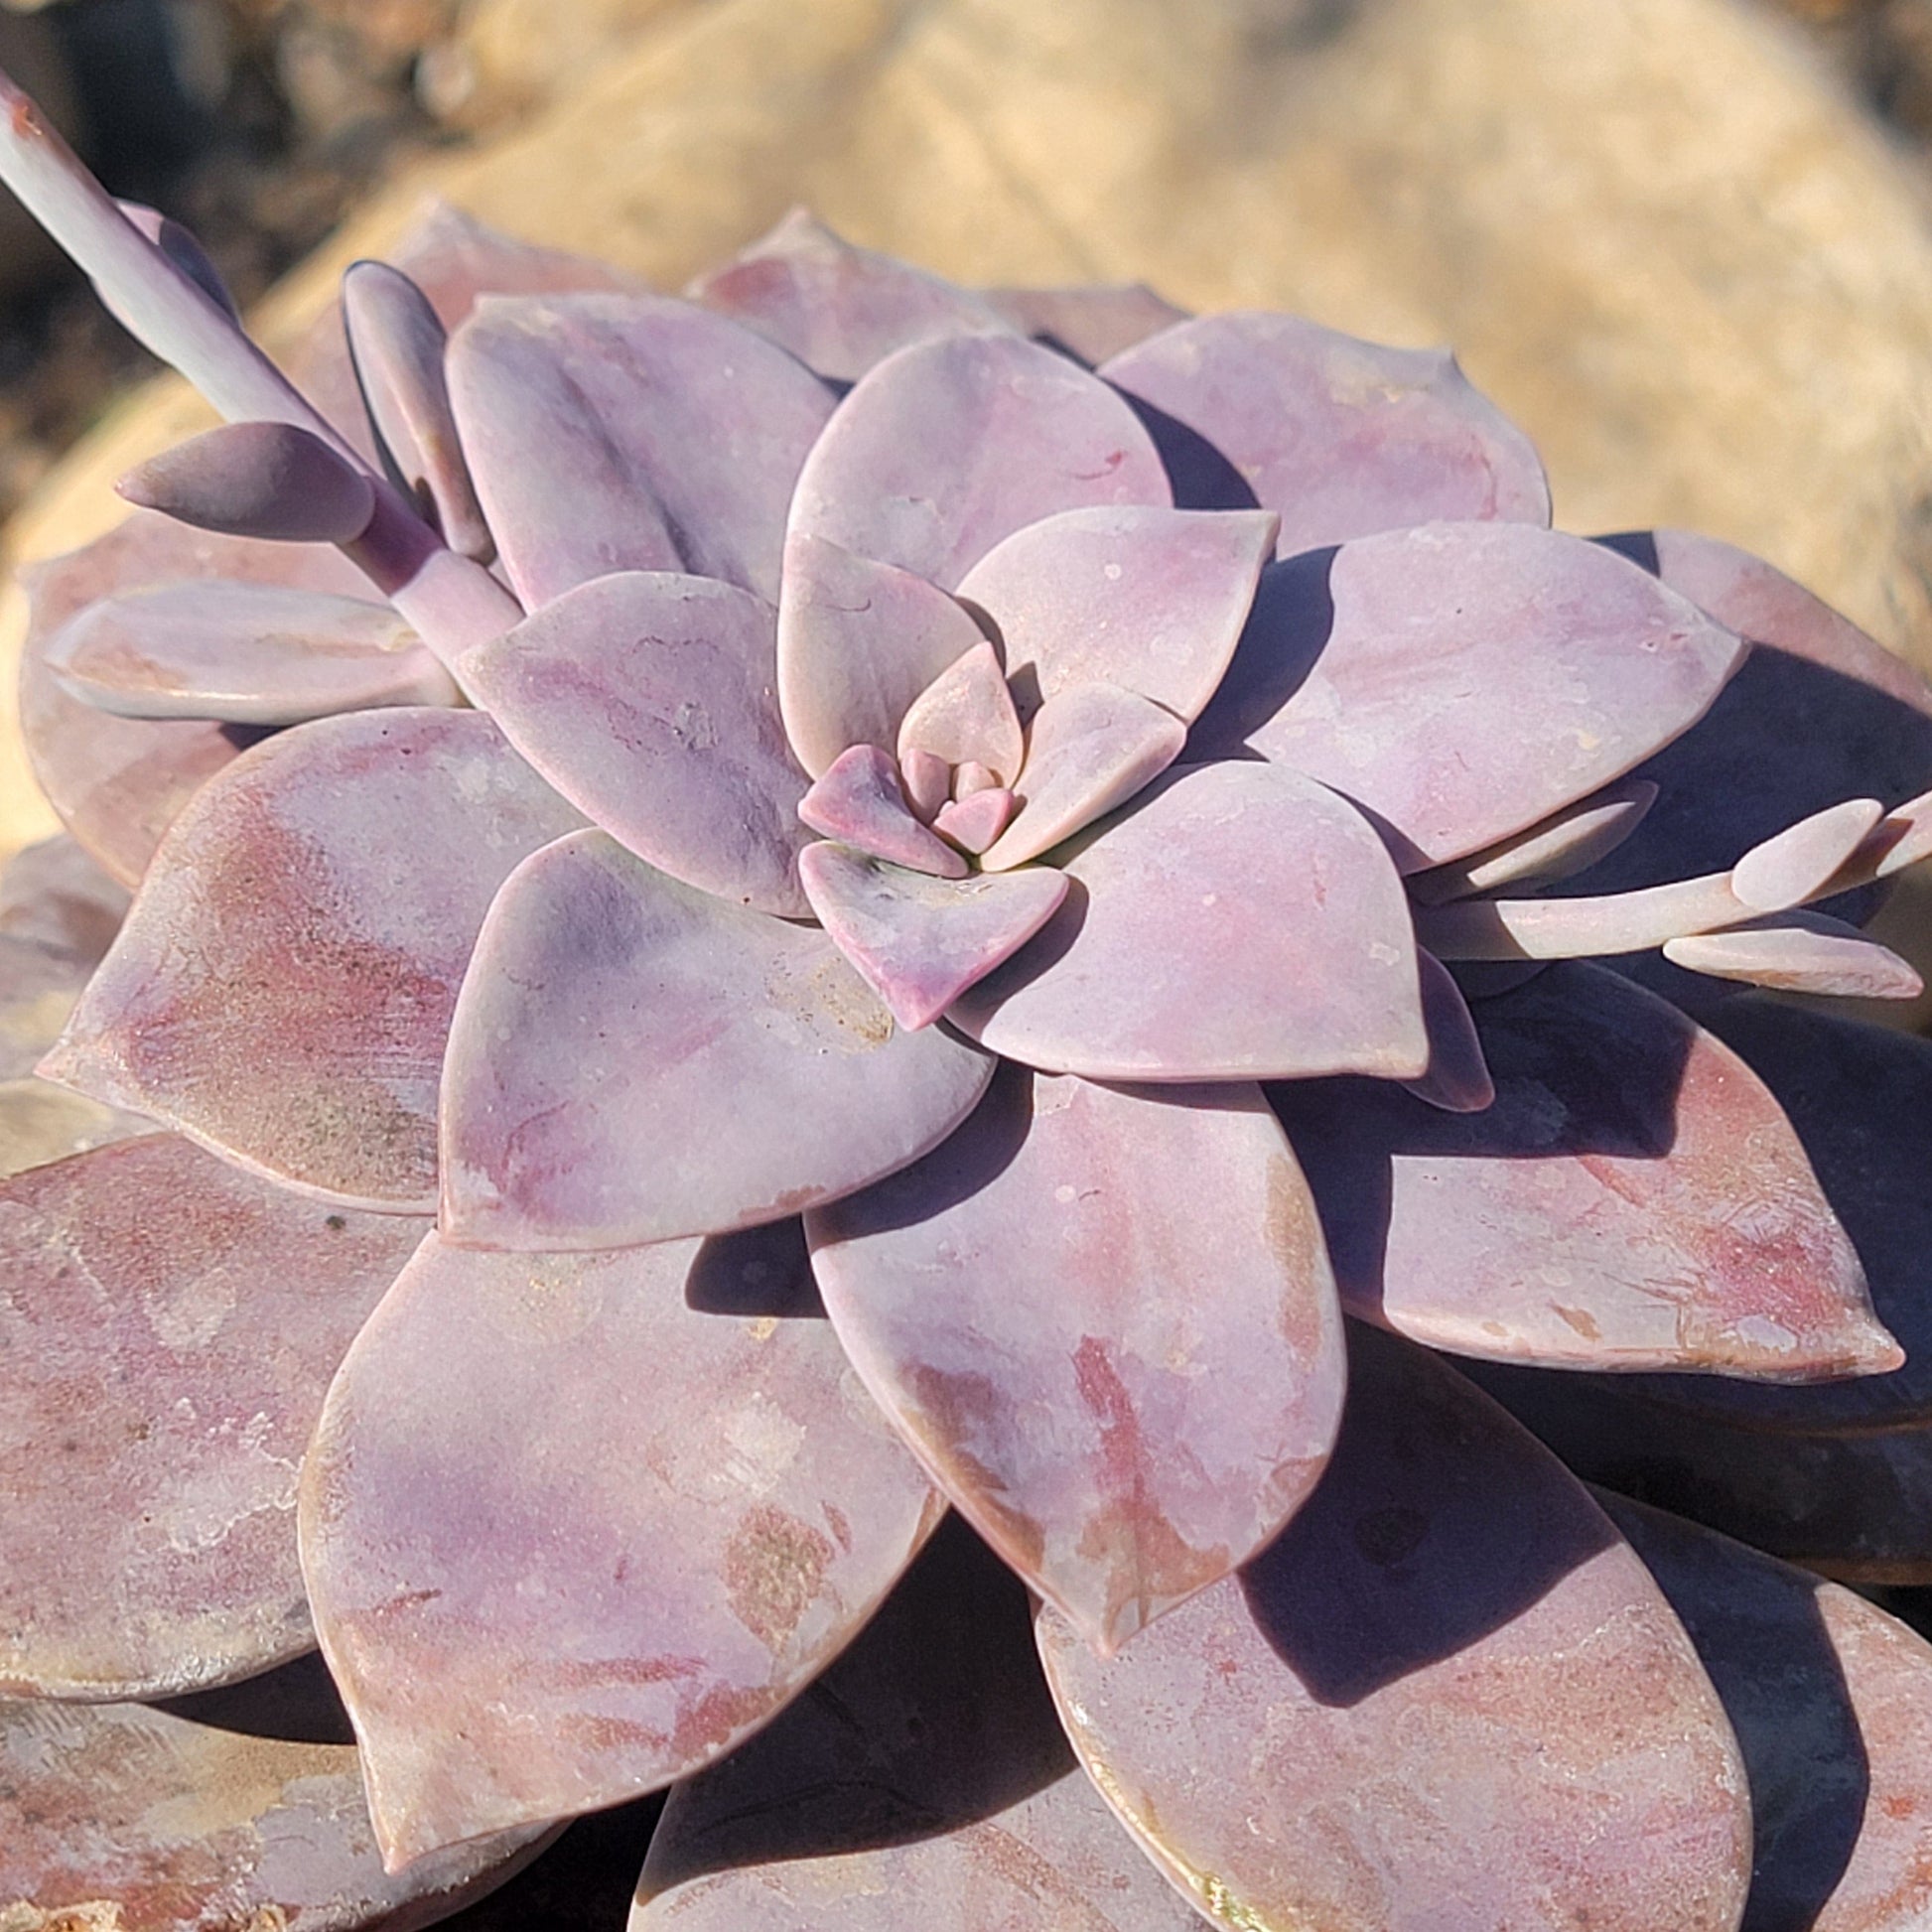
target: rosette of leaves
759 913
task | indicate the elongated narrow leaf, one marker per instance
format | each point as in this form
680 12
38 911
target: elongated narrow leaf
536 1607
837 308
168 1327
648 700
949 446
243 654
1465 681
925 1765
1240 921
1568 842
241 1807
1105 1321
1343 437
282 989
1448 1678
609 432
1799 952
257 480
758 1074
1633 1198
1832 1703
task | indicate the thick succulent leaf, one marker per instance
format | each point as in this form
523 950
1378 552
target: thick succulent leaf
1799 952
1105 1321
609 432
974 819
1343 437
282 989
1150 598
1448 1679
257 480
1859 1098
168 1326
1818 708
966 715
118 783
181 247
1463 681
650 701
1089 749
1633 1198
1796 864
928 780
397 342
758 1073
925 1765
919 941
1831 1700
1857 1507
536 1606
1239 922
858 800
949 446
242 655
858 641
1458 1077
237 1808
1091 321
837 308
1568 842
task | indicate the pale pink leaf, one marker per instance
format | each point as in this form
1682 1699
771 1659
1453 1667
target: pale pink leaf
966 715
1796 864
858 800
1800 952
975 818
256 480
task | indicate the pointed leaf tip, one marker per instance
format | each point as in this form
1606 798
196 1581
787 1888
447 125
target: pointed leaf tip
257 480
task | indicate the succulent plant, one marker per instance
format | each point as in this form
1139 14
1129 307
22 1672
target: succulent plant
760 914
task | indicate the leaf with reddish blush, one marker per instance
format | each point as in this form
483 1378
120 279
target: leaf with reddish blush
1344 438
240 1807
536 1606
1448 1678
759 1074
1239 921
1463 681
118 783
837 308
858 641
283 986
609 432
859 800
949 446
1832 1703
1104 1319
1635 1197
648 700
193 1315
919 941
242 655
927 1764
1154 600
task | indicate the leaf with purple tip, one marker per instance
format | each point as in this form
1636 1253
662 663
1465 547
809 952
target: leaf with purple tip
256 480
949 446
1344 438
1448 1679
1104 1319
313 912
607 432
919 941
927 1764
1238 922
193 1315
858 800
839 309
1463 681
537 1607
1799 952
648 701
242 655
1150 598
396 341
1089 749
757 1074
1634 1198
966 715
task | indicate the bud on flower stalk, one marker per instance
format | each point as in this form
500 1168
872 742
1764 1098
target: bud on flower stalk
756 914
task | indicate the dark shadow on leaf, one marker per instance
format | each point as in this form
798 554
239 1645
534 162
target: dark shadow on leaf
1435 1526
1202 478
1287 628
584 1880
1047 947
763 1271
938 1716
296 1703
